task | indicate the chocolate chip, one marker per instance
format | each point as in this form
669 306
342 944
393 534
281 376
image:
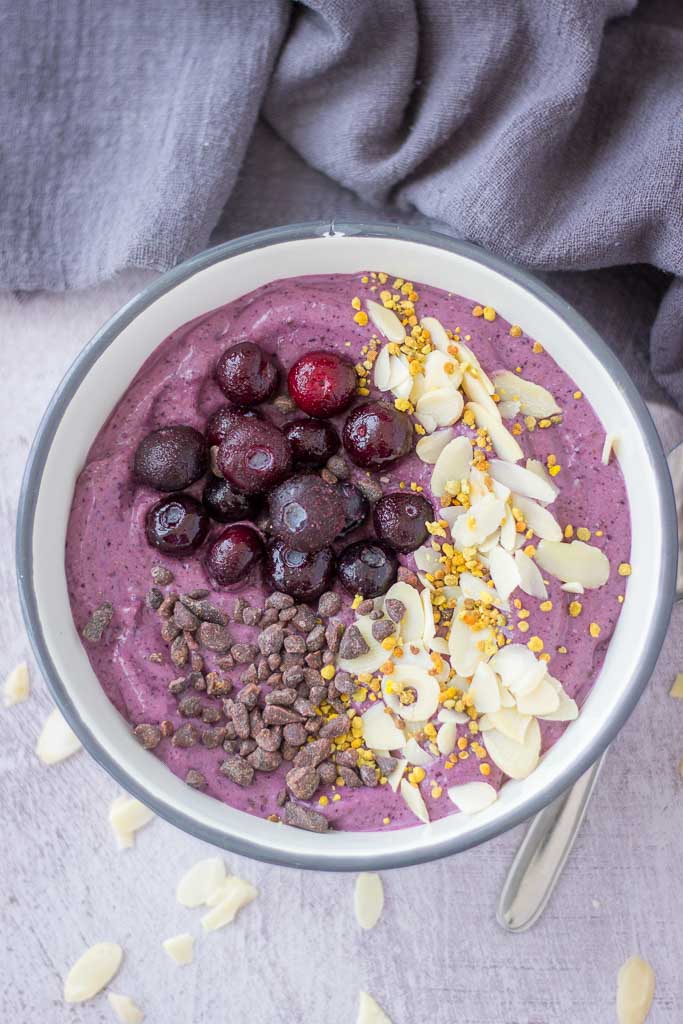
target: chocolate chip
249 695
180 652
295 644
350 777
304 620
148 736
317 694
339 466
343 682
394 609
279 601
154 598
215 637
313 725
352 644
292 675
315 640
370 487
196 662
314 660
328 773
304 707
334 631
156 658
192 644
240 719
243 653
190 706
255 721
252 616
239 609
313 753
365 607
250 676
328 658
274 680
269 739
382 629
213 738
231 745
265 760
288 751
386 763
262 669
211 715
273 714
169 631
93 631
185 736
184 618
195 779
294 734
161 575
274 662
165 609
329 604
247 746
334 701
281 798
269 617
406 575
226 661
369 775
178 685
204 610
167 728
271 639
301 817
377 614
217 686
347 757
335 727
287 614
283 697
237 770
302 782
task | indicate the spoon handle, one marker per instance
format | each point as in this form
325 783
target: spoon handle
539 861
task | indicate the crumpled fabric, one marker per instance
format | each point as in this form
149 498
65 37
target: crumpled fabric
549 131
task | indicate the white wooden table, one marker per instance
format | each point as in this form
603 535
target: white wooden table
296 955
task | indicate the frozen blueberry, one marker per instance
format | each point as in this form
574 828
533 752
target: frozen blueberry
322 383
305 512
313 441
367 567
376 434
171 458
255 456
234 554
246 375
227 505
354 505
303 575
176 525
400 520
224 419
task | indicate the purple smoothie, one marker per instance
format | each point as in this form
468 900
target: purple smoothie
108 559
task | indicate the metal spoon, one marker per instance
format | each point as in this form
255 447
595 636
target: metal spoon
543 852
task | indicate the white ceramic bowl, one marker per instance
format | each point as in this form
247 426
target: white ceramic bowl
102 373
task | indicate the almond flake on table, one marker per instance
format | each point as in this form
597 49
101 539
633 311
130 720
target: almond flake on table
635 991
17 685
92 971
368 899
677 688
57 741
369 1011
231 896
126 816
127 1011
200 881
180 948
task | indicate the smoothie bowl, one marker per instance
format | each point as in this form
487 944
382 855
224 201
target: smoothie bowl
346 548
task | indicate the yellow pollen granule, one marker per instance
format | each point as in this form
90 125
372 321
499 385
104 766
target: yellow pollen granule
544 424
594 630
561 650
361 318
546 606
355 302
535 644
578 395
386 821
436 792
324 801
327 672
624 569
515 331
554 470
530 551
620 599
485 769
583 534
569 532
478 311
537 347
336 797
523 627
575 609
489 313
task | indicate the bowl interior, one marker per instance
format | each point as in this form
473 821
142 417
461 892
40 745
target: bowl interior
103 372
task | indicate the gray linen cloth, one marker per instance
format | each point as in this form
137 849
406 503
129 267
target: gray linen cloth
549 131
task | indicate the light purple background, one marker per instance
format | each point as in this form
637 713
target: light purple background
296 954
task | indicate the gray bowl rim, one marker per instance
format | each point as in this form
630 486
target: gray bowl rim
108 334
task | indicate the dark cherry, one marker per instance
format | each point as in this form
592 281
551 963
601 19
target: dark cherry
303 575
246 375
234 554
367 567
355 507
322 383
226 505
400 519
224 419
376 434
313 441
176 525
255 456
305 512
171 458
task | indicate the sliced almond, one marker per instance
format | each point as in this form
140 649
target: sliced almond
438 333
92 972
441 371
520 670
429 633
609 446
394 778
635 991
504 571
517 760
538 519
412 624
235 894
472 797
477 392
467 646
443 406
126 816
16 687
576 562
414 754
382 370
379 731
534 400
370 1012
482 519
573 588
125 1009
199 881
470 361
429 448
511 723
368 900
452 464
56 741
446 738
544 700
413 798
505 445
524 482
427 559
386 321
476 589
452 512
530 579
180 948
508 532
484 689
567 709
424 687
508 410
